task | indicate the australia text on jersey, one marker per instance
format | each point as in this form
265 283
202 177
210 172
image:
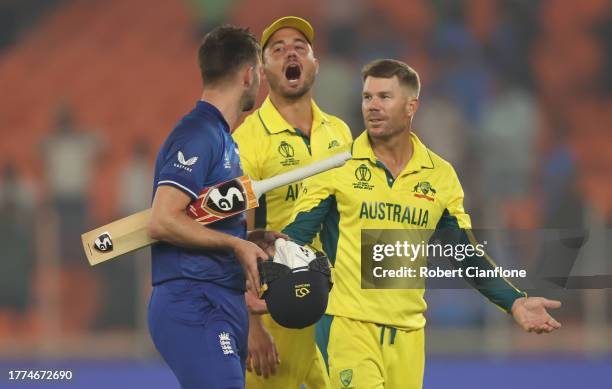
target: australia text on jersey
397 213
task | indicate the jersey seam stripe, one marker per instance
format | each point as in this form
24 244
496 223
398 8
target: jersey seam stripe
433 165
179 185
263 123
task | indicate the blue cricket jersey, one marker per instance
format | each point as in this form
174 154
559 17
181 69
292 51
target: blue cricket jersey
199 153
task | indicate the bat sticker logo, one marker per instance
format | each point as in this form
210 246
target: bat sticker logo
103 242
228 198
188 162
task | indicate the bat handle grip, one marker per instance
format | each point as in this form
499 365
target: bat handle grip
301 173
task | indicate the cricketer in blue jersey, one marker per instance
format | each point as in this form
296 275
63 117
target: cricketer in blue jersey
197 314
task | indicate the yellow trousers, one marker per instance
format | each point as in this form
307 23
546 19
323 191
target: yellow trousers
365 355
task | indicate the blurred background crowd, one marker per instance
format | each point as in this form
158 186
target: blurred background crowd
517 94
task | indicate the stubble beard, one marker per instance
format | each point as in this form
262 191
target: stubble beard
289 94
248 99
387 133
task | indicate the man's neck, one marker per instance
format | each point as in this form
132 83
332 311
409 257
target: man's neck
227 102
297 112
394 152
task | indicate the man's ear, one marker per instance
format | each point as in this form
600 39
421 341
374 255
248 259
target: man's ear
412 105
248 76
316 62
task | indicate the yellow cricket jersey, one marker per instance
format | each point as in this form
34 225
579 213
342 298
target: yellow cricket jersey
363 194
269 146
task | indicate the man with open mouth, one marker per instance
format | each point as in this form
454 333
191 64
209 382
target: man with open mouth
288 131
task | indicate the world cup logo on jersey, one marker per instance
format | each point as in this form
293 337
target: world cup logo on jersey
288 153
363 173
286 150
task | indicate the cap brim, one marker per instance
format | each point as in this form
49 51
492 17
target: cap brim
288 21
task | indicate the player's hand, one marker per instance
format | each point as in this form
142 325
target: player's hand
530 313
255 305
263 356
265 239
247 254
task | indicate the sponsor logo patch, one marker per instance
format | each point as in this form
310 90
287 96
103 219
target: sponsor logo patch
185 163
302 290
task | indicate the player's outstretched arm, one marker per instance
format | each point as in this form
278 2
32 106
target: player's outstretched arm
171 224
530 313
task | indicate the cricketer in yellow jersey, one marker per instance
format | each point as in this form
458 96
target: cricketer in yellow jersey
374 338
288 131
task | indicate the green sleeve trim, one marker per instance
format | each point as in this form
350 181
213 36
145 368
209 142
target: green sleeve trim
498 290
322 330
307 224
447 221
331 230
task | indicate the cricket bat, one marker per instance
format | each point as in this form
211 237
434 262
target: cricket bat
214 203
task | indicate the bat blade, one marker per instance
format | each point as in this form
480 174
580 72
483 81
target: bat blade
117 238
214 203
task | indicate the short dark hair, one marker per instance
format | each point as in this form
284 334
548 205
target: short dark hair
387 68
224 50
